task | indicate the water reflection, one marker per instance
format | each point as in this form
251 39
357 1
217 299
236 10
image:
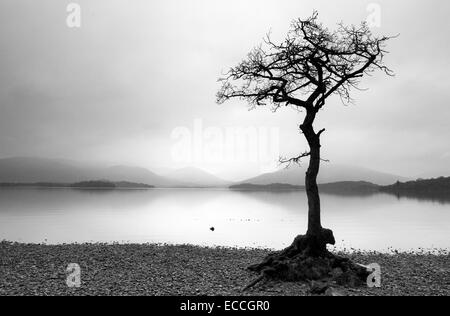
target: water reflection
245 219
441 198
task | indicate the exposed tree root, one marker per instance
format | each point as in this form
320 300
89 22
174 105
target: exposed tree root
254 282
307 259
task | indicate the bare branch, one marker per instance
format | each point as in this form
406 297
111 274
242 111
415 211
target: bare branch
320 132
309 66
296 160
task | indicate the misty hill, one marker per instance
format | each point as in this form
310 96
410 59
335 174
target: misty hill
434 173
434 189
196 177
329 173
94 184
56 171
341 188
429 190
34 170
136 175
98 184
132 185
266 187
349 188
31 170
109 185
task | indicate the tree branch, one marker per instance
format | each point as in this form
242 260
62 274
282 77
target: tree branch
320 132
296 160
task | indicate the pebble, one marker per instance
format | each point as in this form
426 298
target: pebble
134 269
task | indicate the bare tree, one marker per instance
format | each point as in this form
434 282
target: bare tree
312 64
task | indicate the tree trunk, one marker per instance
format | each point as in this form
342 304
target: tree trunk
312 190
317 237
308 258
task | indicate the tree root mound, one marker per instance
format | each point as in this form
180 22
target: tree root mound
307 259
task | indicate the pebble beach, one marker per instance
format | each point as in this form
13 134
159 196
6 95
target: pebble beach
166 270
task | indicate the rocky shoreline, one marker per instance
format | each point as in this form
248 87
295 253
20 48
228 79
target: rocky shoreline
135 269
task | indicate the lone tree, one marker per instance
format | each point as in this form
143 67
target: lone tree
304 71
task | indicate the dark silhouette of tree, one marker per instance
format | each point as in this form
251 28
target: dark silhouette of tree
312 64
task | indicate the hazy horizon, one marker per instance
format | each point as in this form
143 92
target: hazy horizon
136 83
49 169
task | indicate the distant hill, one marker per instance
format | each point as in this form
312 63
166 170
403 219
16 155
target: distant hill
341 188
434 189
109 185
329 173
56 171
132 185
266 187
430 185
94 184
434 173
349 188
33 170
98 184
196 177
136 175
34 185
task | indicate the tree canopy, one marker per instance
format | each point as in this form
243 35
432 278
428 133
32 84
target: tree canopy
309 66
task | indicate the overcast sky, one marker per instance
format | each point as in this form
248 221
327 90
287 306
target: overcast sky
128 84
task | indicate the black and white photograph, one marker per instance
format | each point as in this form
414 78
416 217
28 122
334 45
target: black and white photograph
224 155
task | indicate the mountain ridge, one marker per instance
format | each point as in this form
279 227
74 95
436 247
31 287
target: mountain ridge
33 170
50 170
196 175
328 174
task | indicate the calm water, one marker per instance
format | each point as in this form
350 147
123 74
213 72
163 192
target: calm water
244 219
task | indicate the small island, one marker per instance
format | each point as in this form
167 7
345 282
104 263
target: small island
94 185
97 184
